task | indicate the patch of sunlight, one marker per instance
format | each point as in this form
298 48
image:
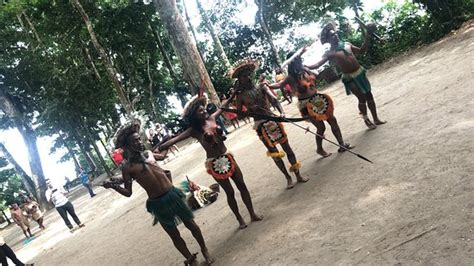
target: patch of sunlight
455 50
381 193
55 233
416 62
461 126
468 30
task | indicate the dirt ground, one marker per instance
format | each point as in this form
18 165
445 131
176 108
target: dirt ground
414 205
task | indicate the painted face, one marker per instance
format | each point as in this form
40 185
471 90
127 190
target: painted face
244 76
135 143
201 113
332 37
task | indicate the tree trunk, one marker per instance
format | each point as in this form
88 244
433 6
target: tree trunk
105 146
111 71
215 38
89 58
191 28
164 54
33 28
84 150
26 179
193 66
29 137
71 152
6 217
96 149
150 90
268 36
168 64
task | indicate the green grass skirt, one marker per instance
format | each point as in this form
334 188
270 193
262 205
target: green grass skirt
359 78
169 209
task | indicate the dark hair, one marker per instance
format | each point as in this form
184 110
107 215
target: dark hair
212 108
121 139
192 120
295 67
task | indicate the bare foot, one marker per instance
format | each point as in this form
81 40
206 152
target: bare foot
255 217
191 260
323 153
379 122
301 179
347 146
369 124
242 226
209 260
289 184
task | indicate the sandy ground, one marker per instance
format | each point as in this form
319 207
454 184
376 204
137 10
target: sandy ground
414 205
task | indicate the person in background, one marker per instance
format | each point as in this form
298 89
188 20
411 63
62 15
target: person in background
117 156
286 90
32 208
212 108
62 204
86 182
21 220
67 185
164 134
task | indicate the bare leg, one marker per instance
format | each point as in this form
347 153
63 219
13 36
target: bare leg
373 108
24 232
245 194
40 223
178 241
292 158
321 128
362 106
281 165
196 231
336 130
237 121
285 95
229 191
233 123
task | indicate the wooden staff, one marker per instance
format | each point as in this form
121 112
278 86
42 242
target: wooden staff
367 28
297 53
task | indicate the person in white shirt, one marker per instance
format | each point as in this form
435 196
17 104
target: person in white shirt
62 204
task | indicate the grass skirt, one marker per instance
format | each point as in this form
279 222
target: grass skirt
169 209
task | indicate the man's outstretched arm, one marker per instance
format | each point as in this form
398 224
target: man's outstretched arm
127 179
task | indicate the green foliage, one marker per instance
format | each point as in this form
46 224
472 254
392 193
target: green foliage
402 28
448 14
10 184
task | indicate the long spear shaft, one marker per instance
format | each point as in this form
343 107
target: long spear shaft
332 142
317 135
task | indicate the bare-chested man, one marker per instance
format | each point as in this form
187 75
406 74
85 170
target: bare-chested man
257 100
165 202
355 81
